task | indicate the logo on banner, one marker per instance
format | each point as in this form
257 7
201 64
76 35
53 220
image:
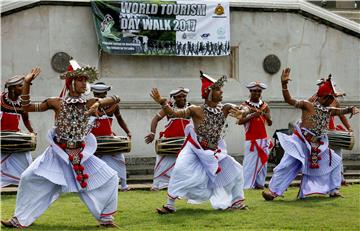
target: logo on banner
188 36
205 35
106 28
221 33
219 11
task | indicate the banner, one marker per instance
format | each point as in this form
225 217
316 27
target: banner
182 28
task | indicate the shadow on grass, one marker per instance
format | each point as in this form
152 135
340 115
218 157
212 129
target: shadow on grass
304 201
58 227
194 214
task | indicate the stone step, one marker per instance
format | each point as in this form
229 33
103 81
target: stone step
351 164
138 161
148 169
348 174
132 179
351 156
353 15
347 13
12 190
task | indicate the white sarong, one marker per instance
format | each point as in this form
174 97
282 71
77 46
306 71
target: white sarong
322 180
12 166
162 171
52 174
254 170
194 175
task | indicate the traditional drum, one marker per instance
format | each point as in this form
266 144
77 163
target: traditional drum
169 146
344 140
17 142
277 152
112 144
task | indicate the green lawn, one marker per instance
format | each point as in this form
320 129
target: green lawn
137 212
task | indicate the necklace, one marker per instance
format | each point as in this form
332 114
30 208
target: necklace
74 99
253 104
213 110
10 101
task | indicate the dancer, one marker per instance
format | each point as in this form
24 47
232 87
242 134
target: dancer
307 150
257 143
203 170
174 128
103 128
337 127
68 164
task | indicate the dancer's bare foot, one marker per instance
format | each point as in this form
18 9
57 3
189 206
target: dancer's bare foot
109 225
165 210
268 195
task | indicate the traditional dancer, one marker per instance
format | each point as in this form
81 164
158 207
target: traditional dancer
174 128
203 170
307 150
103 128
68 164
257 143
334 127
14 163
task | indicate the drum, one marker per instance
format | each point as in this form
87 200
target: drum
277 152
341 139
17 142
108 145
169 146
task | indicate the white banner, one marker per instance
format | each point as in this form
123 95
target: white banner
182 28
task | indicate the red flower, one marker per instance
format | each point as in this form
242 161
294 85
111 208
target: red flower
79 177
76 167
314 165
85 176
81 167
81 155
82 145
62 145
71 158
83 184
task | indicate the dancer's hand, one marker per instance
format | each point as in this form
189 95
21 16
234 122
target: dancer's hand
32 75
155 94
285 76
354 111
93 110
149 138
237 112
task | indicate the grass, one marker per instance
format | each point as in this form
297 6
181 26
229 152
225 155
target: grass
137 212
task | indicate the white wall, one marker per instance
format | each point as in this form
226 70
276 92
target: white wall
312 50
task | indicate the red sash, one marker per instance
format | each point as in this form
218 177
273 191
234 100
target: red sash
10 122
256 129
175 128
103 127
261 153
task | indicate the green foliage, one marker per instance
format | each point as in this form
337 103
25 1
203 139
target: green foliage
137 212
